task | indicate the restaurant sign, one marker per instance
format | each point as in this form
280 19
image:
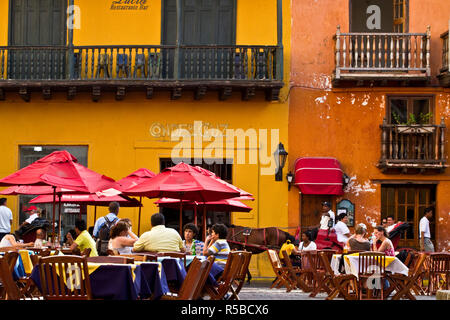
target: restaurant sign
129 5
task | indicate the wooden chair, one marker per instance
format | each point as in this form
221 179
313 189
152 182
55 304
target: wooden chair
233 266
296 274
404 284
194 281
281 273
111 259
339 284
319 272
9 286
54 269
309 261
239 279
371 266
174 254
439 272
138 257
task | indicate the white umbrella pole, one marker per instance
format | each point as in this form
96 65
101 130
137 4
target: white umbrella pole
139 217
53 217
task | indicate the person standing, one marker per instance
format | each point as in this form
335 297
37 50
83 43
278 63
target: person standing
424 231
326 208
111 218
5 218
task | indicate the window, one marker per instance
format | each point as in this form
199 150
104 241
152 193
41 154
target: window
410 110
378 16
222 169
69 213
407 203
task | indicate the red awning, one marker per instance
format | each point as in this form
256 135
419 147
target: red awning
317 175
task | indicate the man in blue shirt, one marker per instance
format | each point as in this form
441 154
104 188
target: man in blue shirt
111 216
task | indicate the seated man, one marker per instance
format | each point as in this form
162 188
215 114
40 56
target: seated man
83 240
159 238
40 238
216 244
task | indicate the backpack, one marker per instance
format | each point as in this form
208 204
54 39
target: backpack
104 236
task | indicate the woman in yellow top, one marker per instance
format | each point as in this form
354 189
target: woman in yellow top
83 240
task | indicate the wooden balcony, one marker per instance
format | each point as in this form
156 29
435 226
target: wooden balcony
147 68
444 74
416 148
385 59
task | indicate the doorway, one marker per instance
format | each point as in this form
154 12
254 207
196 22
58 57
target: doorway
311 209
204 23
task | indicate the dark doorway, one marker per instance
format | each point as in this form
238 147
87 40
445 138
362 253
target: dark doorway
37 23
311 209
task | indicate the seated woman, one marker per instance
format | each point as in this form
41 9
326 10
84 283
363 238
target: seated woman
122 238
342 231
10 241
307 243
192 245
386 245
357 242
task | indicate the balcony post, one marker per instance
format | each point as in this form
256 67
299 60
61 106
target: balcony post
279 61
428 51
177 65
338 48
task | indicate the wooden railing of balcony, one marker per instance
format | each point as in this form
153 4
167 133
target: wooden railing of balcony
389 53
413 144
230 63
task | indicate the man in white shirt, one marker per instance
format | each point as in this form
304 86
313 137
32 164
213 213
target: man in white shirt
5 218
390 224
424 231
326 207
342 231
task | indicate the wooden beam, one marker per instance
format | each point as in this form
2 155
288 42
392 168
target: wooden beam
96 93
225 93
200 92
120 93
2 94
71 92
175 93
25 94
149 92
272 94
248 93
46 93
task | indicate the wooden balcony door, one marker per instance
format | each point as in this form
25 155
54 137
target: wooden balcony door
37 23
407 203
204 22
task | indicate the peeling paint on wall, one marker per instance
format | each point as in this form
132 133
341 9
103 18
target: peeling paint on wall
356 188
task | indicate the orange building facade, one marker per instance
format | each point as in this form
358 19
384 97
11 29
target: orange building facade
369 88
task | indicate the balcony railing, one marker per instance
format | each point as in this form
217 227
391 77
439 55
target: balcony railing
202 63
418 146
382 55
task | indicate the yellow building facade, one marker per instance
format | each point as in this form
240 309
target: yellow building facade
131 130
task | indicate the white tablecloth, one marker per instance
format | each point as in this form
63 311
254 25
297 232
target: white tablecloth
351 265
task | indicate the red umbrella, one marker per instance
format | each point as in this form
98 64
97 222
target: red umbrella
227 205
183 182
90 199
59 169
134 179
17 190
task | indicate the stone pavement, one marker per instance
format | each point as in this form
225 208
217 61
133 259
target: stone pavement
260 290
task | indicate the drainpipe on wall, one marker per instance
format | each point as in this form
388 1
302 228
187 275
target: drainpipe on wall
280 40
